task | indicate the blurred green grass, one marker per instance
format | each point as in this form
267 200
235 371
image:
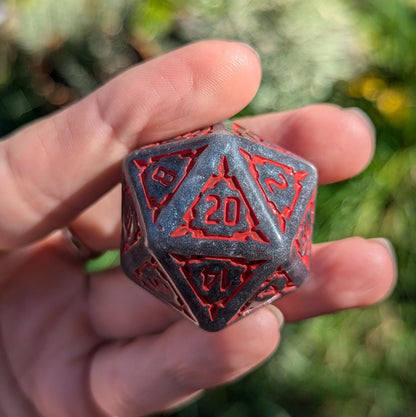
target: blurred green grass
351 53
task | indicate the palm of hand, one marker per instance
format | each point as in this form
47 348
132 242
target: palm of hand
46 334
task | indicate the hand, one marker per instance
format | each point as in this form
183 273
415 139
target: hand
77 345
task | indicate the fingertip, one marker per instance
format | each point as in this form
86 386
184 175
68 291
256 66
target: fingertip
383 256
368 268
234 69
362 129
388 246
278 314
348 140
251 49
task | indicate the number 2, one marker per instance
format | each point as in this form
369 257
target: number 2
270 182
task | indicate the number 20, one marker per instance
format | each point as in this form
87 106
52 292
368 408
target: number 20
231 212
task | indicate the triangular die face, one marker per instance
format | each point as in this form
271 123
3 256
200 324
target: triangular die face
280 185
215 281
150 277
303 240
162 175
278 284
130 229
221 211
245 133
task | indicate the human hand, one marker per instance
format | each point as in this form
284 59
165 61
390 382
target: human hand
78 345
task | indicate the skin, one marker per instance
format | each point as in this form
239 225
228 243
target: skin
77 345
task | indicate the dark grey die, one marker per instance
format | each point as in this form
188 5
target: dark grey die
217 223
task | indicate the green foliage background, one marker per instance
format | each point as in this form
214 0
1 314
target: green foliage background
353 53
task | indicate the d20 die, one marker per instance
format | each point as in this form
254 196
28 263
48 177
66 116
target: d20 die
217 223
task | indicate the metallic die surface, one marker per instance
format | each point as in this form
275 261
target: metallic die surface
217 223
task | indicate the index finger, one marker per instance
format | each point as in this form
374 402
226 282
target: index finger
53 169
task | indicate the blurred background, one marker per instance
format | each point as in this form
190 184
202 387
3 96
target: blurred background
357 53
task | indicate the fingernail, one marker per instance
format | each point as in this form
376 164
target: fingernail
278 314
251 49
363 116
386 245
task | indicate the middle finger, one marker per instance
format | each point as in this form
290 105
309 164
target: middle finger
340 143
